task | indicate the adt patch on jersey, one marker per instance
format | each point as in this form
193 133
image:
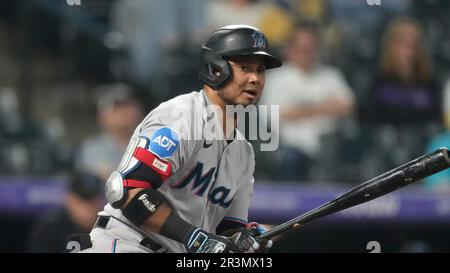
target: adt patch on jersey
164 142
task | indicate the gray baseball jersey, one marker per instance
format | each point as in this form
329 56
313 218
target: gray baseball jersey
205 177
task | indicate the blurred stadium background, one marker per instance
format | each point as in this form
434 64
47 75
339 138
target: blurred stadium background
57 59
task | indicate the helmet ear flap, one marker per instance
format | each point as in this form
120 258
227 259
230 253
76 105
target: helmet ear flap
214 70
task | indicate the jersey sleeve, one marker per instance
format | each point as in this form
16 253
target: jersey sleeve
157 150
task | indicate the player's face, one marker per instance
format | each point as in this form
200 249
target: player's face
247 81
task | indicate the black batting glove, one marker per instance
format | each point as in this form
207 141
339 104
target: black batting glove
201 241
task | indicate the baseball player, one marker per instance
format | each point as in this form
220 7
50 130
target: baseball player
186 180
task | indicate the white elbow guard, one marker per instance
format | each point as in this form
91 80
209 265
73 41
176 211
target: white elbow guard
115 191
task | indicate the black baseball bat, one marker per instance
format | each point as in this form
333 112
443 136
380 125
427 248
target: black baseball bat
399 177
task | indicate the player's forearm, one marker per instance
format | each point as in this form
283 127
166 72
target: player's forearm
155 221
338 107
164 220
302 112
150 210
332 107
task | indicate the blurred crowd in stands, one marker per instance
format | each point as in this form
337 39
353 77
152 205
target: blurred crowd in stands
364 88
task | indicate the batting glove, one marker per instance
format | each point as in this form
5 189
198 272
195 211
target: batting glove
201 241
247 241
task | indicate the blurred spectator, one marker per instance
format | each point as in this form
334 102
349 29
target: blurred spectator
273 20
353 33
368 16
404 105
404 91
83 200
312 97
232 12
315 10
146 29
25 146
119 112
441 180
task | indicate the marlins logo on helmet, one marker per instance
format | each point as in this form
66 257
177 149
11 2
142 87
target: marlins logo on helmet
260 40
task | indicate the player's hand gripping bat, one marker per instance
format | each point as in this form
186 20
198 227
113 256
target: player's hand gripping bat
408 173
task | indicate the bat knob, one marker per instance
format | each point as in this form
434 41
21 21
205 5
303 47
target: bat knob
446 153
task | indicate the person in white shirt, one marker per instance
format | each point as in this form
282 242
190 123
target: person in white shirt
312 98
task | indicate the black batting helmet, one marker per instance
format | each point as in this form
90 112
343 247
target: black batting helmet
233 40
